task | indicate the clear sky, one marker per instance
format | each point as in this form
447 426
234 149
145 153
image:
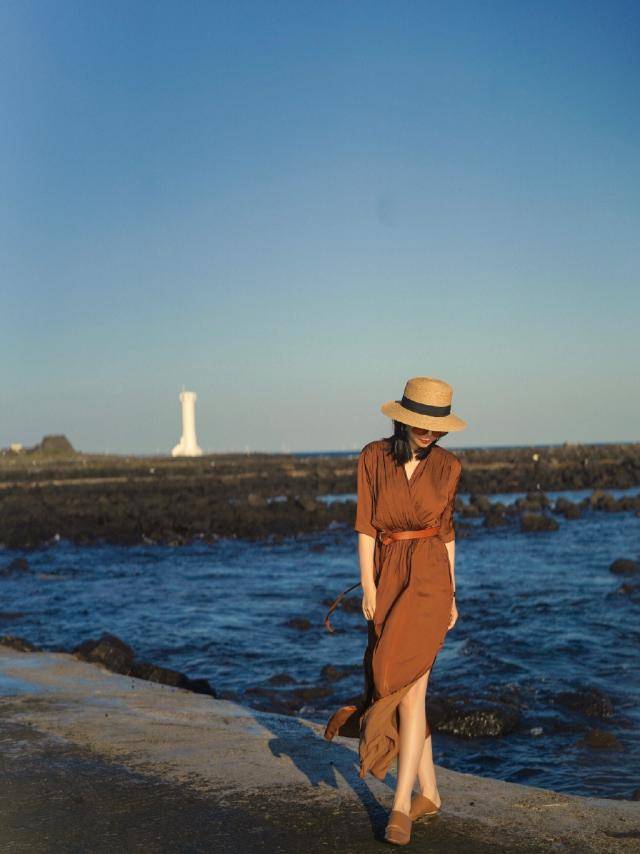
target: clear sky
292 208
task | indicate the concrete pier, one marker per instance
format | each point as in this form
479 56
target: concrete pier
95 761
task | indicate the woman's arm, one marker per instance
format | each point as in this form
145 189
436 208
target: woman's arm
451 550
448 534
366 537
366 547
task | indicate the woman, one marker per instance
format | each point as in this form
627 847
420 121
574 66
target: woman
407 487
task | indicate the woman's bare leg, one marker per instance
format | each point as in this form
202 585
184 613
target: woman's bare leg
427 773
413 724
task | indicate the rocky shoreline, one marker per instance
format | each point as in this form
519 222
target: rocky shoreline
89 498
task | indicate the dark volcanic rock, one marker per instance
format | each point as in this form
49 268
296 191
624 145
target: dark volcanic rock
495 518
533 503
470 511
281 679
17 565
20 644
600 739
167 676
108 650
533 522
466 718
116 655
569 509
351 604
317 547
600 500
630 590
57 445
573 511
589 701
333 674
624 566
300 623
286 701
311 505
480 502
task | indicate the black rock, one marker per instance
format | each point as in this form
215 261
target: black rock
573 511
333 674
113 653
300 623
589 701
167 676
281 679
601 500
624 566
110 651
600 739
481 502
534 522
57 445
471 511
472 719
20 644
309 504
494 519
630 590
17 565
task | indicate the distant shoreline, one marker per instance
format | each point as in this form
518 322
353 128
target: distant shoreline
90 498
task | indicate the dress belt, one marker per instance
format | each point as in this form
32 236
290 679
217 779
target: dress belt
388 537
385 537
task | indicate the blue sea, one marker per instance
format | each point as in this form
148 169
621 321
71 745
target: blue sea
540 614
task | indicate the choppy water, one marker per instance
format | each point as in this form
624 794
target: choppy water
539 614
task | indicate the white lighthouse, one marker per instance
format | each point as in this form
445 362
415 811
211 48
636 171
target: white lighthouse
188 444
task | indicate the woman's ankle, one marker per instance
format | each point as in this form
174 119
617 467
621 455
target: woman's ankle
432 793
402 806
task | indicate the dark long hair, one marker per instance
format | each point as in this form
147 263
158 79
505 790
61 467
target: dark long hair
400 447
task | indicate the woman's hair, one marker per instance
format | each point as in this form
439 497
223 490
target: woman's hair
399 446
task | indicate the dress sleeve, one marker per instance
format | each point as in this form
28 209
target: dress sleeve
364 511
447 526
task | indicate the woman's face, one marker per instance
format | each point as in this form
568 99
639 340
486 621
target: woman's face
421 438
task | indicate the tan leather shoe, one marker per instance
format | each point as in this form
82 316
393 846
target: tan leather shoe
421 806
398 830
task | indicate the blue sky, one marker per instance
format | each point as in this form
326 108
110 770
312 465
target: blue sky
292 208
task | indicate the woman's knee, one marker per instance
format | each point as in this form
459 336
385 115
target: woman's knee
415 696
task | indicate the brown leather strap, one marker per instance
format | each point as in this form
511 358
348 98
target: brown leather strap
335 604
387 537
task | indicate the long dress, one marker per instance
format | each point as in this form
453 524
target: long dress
414 588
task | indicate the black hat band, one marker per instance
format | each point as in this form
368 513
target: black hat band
425 408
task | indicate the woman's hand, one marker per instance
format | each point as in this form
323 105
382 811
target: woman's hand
454 615
369 602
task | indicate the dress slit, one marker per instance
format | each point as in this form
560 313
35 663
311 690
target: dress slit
379 742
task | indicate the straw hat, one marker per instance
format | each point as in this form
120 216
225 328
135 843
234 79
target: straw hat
426 403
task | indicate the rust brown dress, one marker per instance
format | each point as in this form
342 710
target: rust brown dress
413 582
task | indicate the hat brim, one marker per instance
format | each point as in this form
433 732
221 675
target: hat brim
448 423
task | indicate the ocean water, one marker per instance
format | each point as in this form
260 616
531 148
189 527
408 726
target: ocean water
539 614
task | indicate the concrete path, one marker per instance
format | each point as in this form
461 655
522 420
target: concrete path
94 761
